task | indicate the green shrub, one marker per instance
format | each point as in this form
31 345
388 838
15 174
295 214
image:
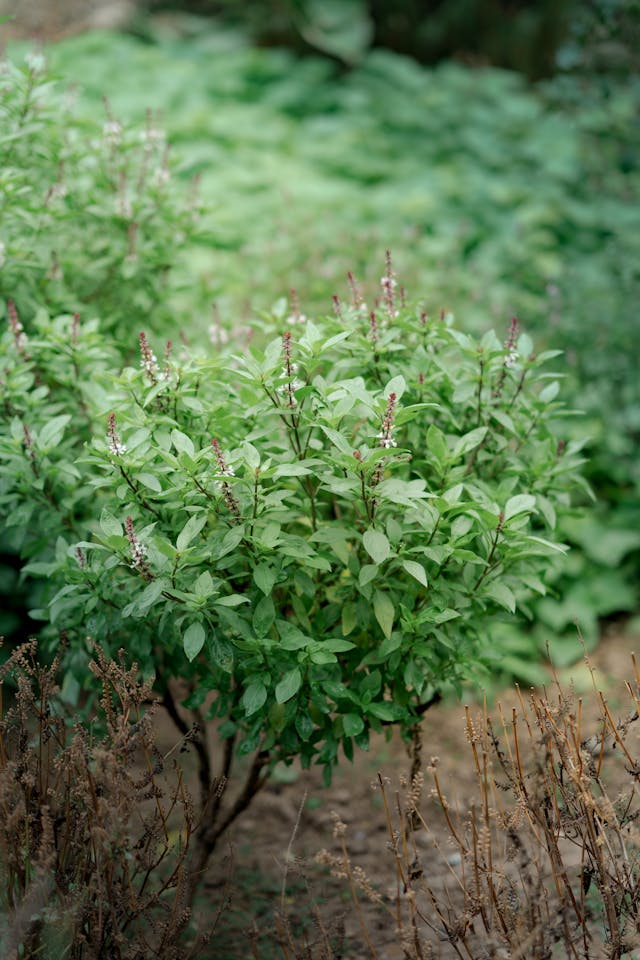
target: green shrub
90 215
499 197
321 532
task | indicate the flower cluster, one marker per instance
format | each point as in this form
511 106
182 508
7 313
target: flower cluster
148 359
166 369
385 436
112 132
511 358
19 336
289 371
217 333
138 552
295 316
510 344
373 329
357 300
389 283
226 471
115 444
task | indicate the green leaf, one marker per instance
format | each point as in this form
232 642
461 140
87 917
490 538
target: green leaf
291 637
550 392
338 440
51 433
522 503
193 640
353 724
230 541
264 577
304 725
469 441
415 570
150 594
263 616
383 610
203 587
251 455
436 443
397 385
388 645
288 686
349 618
221 653
191 529
109 525
376 545
502 594
183 443
367 573
383 711
149 480
290 470
336 645
254 697
233 600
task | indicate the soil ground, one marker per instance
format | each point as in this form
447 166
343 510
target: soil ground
271 848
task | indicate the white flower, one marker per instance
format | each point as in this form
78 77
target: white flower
35 61
112 131
153 135
218 335
138 553
160 177
150 364
511 358
116 447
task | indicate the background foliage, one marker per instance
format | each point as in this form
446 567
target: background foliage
501 198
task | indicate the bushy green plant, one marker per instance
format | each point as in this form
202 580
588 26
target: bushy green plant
321 532
90 216
500 197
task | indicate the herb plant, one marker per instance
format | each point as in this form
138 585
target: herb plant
319 532
90 215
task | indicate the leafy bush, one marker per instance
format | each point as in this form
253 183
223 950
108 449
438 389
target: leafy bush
91 862
90 215
501 198
563 162
320 532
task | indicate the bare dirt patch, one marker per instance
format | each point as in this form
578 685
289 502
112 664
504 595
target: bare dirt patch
266 864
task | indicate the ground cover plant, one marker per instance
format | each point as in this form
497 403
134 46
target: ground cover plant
499 199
